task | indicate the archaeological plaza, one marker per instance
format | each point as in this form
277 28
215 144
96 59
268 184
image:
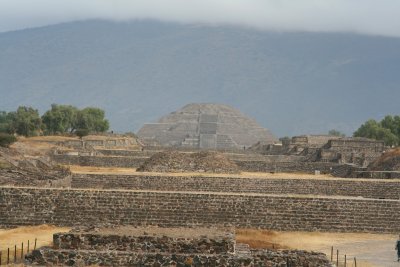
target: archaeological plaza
187 188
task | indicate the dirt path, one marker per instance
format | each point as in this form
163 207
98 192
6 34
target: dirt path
369 249
11 237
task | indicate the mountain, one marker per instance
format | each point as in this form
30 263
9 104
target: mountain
291 83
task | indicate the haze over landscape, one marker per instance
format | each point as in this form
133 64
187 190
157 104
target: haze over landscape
296 68
200 133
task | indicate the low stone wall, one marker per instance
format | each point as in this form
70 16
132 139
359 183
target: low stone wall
290 166
250 166
33 206
100 161
126 153
144 244
254 157
48 256
377 174
330 187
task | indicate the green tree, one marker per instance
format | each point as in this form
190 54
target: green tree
25 121
392 123
60 119
4 122
81 132
7 139
336 133
375 130
92 119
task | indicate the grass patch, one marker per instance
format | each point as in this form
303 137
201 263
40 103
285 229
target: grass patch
4 164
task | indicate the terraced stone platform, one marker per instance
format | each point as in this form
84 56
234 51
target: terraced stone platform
73 207
205 126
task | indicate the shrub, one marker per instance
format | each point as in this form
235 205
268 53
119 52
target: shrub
7 139
82 132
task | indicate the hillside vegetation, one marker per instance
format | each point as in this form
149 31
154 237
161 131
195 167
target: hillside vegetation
291 83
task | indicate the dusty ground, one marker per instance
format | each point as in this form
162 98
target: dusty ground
369 249
132 171
30 147
11 237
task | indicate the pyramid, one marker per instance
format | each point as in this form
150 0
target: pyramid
205 126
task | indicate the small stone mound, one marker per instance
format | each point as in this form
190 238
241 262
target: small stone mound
389 161
18 169
173 161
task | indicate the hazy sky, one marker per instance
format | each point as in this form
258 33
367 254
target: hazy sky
381 17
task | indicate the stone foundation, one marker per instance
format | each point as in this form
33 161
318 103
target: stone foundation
48 256
100 161
146 243
267 165
287 167
174 247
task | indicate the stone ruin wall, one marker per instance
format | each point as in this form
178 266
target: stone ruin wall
311 140
100 161
107 143
126 153
335 152
66 207
327 187
325 148
286 166
115 250
271 163
377 174
356 145
50 257
276 163
146 243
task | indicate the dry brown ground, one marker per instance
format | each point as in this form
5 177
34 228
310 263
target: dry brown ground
30 148
369 249
132 171
42 145
11 237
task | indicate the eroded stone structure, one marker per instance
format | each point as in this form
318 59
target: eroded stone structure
327 148
205 126
173 248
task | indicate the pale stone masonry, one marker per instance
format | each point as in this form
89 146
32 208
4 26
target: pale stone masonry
205 126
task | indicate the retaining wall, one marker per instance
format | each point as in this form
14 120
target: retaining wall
33 206
144 244
50 257
377 174
290 166
339 187
126 153
250 165
100 161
